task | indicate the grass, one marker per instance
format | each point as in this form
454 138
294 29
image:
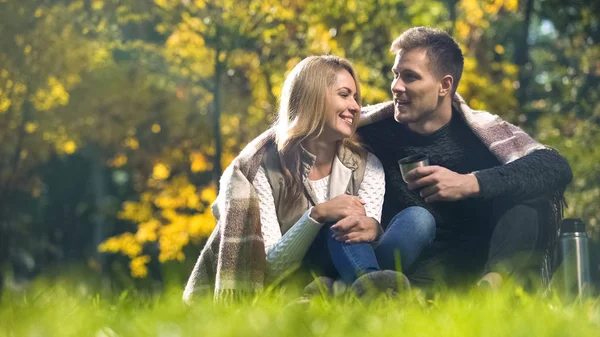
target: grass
67 309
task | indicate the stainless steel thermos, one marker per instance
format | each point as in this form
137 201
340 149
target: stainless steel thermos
575 266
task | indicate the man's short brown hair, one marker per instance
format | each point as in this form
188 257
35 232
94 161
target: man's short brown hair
443 53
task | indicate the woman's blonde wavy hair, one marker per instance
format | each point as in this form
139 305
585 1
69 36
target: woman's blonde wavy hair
303 104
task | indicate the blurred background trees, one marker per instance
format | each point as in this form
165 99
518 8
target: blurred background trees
118 117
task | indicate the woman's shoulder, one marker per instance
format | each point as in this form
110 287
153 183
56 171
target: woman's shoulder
257 146
250 158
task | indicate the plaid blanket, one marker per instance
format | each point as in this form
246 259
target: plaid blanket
232 262
507 142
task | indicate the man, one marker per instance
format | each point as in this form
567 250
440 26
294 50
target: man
495 193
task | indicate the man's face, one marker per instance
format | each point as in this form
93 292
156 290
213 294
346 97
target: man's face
415 87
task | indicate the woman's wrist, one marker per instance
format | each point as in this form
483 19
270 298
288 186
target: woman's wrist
315 214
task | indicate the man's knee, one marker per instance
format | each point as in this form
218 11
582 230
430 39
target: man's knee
522 217
522 213
516 240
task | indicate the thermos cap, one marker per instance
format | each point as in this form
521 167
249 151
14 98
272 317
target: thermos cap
572 225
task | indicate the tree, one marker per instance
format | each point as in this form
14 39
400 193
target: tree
564 94
35 80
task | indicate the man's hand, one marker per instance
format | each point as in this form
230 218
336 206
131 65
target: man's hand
440 184
354 229
338 208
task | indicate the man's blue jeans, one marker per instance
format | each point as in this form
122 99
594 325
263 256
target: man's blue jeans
409 232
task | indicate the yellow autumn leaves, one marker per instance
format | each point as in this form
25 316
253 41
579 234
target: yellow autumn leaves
55 94
171 214
480 14
161 171
170 217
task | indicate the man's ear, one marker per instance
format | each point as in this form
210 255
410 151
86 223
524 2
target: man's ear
446 85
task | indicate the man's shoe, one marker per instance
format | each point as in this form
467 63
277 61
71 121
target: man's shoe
491 281
321 285
387 282
339 288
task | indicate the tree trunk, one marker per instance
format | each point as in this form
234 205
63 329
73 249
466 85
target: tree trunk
15 160
8 185
217 170
4 246
522 55
99 191
271 95
452 14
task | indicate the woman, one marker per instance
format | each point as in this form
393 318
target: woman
303 193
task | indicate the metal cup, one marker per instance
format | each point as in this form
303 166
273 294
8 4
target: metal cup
408 163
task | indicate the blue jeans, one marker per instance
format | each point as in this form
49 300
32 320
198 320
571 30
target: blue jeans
409 232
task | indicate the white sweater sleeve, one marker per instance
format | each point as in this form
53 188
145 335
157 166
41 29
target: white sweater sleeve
283 252
372 188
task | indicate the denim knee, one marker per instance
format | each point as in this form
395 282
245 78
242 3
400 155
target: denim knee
421 223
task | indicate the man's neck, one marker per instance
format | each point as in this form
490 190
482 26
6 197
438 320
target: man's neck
434 121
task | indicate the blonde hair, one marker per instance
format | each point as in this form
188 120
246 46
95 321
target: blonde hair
303 104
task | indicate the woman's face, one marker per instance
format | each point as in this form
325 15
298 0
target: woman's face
342 108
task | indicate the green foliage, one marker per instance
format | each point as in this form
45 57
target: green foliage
564 96
578 141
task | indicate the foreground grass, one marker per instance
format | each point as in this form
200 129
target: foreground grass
67 310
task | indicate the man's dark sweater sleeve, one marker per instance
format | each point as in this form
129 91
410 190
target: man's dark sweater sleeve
540 173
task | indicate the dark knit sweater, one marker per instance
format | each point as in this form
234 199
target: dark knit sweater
457 148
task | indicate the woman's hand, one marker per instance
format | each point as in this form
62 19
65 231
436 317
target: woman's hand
338 208
354 229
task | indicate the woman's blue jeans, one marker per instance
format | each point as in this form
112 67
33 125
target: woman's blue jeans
409 232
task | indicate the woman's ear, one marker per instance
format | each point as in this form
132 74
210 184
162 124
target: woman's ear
446 85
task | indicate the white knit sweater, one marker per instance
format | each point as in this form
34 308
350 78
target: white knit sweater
286 252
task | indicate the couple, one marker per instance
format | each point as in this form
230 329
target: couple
307 192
